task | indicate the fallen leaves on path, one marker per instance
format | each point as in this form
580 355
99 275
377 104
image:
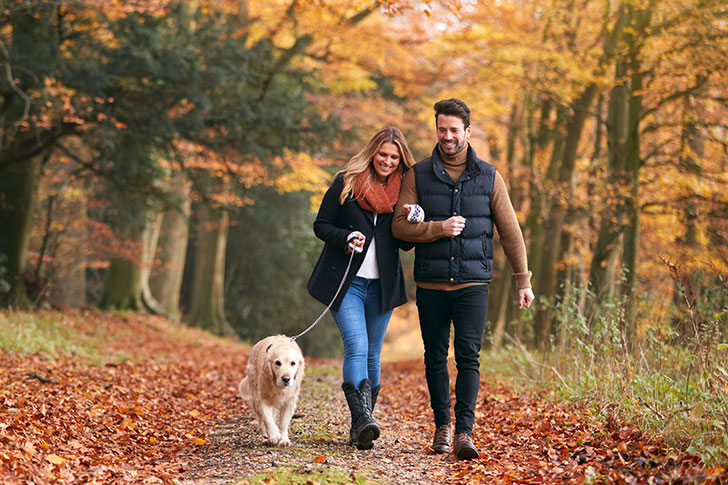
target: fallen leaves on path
151 410
526 439
65 420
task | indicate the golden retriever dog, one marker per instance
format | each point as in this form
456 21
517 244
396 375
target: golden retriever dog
271 385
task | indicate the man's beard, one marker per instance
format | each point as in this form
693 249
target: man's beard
458 149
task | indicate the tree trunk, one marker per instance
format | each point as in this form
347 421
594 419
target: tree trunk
633 166
123 289
150 238
166 279
536 139
611 222
693 150
18 194
560 208
207 295
621 220
22 153
548 250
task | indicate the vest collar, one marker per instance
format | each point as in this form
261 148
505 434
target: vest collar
438 166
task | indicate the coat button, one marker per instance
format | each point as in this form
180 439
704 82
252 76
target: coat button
454 213
452 279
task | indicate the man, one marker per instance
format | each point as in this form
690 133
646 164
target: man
463 198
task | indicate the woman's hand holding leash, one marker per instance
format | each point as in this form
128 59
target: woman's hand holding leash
355 242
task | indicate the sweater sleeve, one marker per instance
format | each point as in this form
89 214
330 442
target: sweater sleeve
509 232
423 232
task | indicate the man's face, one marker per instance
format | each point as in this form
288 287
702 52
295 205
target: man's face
451 134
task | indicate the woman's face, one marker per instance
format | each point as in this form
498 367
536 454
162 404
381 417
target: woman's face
386 161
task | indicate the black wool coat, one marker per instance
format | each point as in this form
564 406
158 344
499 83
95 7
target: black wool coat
334 222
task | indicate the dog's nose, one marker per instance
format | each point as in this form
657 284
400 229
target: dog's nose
286 380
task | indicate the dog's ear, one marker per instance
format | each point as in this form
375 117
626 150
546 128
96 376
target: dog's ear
269 365
299 370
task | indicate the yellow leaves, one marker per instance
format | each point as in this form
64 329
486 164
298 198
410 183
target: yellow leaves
200 441
320 459
350 79
55 459
300 171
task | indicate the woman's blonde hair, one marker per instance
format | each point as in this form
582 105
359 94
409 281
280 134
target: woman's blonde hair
363 160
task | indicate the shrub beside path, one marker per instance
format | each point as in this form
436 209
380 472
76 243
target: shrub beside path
144 400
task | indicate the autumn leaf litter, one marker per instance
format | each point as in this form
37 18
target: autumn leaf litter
162 408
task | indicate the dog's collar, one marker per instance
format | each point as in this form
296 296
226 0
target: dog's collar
268 348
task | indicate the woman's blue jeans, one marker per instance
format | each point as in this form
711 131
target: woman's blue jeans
362 327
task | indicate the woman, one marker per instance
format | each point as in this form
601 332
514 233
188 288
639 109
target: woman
356 214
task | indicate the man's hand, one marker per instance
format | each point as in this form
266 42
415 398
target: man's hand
453 226
525 297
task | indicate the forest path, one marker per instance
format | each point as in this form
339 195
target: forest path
140 399
521 438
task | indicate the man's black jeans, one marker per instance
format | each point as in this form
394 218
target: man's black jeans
467 309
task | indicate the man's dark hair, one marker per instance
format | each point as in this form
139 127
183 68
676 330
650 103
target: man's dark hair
453 107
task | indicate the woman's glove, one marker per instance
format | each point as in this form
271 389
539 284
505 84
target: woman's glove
355 241
415 213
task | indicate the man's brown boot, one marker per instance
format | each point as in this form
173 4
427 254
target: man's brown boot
443 438
464 447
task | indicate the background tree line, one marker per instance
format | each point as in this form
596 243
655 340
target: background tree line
169 155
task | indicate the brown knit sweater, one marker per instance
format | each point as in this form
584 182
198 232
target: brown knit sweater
504 217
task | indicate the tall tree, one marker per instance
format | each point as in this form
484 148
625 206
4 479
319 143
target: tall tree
29 54
652 78
48 68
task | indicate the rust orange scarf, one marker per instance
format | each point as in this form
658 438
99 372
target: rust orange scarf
376 197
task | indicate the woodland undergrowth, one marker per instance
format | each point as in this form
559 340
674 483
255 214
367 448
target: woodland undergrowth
672 379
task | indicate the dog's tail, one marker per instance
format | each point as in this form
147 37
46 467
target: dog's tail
244 389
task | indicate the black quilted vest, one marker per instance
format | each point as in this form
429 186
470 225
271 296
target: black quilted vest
469 256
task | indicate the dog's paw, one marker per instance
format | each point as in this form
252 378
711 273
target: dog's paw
284 442
274 438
